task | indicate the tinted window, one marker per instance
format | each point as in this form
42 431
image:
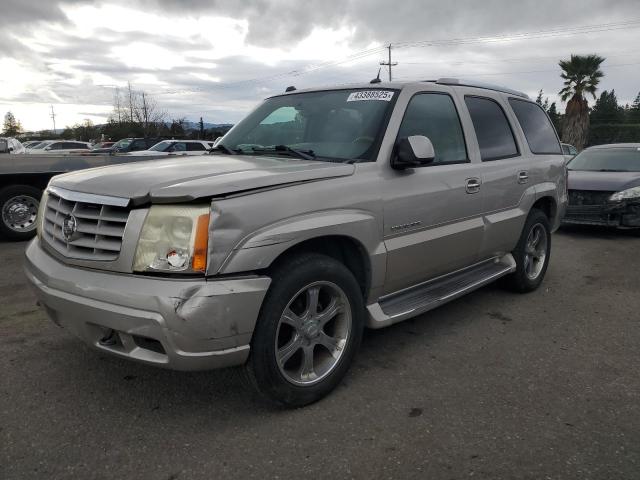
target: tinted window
139 145
178 147
495 137
537 128
565 150
434 115
192 147
56 146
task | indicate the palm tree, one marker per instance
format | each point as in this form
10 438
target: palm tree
581 76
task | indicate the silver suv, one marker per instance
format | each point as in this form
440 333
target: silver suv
322 212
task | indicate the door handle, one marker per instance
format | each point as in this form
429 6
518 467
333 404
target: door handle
473 185
523 177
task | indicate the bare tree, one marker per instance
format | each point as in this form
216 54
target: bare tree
147 113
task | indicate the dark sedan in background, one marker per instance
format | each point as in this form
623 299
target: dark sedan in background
604 186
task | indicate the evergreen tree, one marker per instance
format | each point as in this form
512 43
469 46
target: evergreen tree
11 126
633 114
606 109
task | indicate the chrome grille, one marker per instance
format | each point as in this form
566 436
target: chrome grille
99 228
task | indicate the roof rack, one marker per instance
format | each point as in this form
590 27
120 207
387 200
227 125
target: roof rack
487 86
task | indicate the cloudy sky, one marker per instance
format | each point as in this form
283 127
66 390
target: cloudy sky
217 58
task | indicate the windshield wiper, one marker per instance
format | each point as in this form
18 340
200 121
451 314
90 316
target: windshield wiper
221 147
303 154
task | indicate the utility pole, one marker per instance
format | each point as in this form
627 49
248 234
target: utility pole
389 63
53 117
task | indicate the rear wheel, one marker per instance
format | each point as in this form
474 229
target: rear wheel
531 254
308 332
19 209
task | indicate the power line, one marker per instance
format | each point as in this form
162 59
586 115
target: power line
558 31
525 72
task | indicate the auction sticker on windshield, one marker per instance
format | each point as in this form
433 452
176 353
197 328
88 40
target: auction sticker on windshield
383 95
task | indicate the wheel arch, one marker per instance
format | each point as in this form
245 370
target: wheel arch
549 206
345 249
352 237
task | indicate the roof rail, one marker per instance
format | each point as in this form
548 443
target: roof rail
487 86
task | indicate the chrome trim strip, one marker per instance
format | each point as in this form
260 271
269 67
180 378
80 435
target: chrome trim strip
89 197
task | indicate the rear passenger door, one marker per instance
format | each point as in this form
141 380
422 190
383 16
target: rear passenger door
505 173
432 215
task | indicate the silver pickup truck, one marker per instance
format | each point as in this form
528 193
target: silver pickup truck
322 212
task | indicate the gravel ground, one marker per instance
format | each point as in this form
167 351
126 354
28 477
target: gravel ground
495 385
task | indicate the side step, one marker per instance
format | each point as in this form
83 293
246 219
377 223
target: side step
418 299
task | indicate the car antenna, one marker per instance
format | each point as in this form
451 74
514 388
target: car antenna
377 79
290 89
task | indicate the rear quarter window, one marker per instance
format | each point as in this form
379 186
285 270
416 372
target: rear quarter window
537 128
493 130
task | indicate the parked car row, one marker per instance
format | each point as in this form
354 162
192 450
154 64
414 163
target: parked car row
150 146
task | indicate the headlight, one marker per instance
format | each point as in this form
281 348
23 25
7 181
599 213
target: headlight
625 194
40 216
174 238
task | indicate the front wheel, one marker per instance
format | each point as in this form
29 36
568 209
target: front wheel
19 206
308 332
531 254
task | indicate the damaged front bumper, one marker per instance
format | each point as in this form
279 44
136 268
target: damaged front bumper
624 214
173 323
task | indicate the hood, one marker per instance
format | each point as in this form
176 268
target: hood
182 179
603 181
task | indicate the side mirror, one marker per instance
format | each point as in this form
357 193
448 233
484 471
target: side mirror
412 152
47 148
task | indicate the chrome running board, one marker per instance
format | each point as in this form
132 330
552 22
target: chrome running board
426 296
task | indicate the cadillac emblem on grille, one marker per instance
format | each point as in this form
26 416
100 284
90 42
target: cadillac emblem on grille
69 227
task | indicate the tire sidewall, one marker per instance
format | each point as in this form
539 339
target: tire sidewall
523 282
287 281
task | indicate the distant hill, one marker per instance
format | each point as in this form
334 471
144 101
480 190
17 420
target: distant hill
189 125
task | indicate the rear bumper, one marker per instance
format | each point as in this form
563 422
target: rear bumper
171 323
624 214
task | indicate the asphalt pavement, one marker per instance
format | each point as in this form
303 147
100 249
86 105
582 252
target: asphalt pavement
495 385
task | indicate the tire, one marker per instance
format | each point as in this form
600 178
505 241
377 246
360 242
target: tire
531 267
337 327
18 209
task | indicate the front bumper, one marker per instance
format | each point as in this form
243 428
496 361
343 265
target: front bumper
172 323
625 214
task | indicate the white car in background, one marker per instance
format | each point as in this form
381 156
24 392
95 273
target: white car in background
31 143
177 147
60 146
11 145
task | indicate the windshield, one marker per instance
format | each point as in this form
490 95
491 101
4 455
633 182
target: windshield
124 143
337 124
607 160
161 147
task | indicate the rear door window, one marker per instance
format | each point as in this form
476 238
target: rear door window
434 115
194 147
493 131
537 128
